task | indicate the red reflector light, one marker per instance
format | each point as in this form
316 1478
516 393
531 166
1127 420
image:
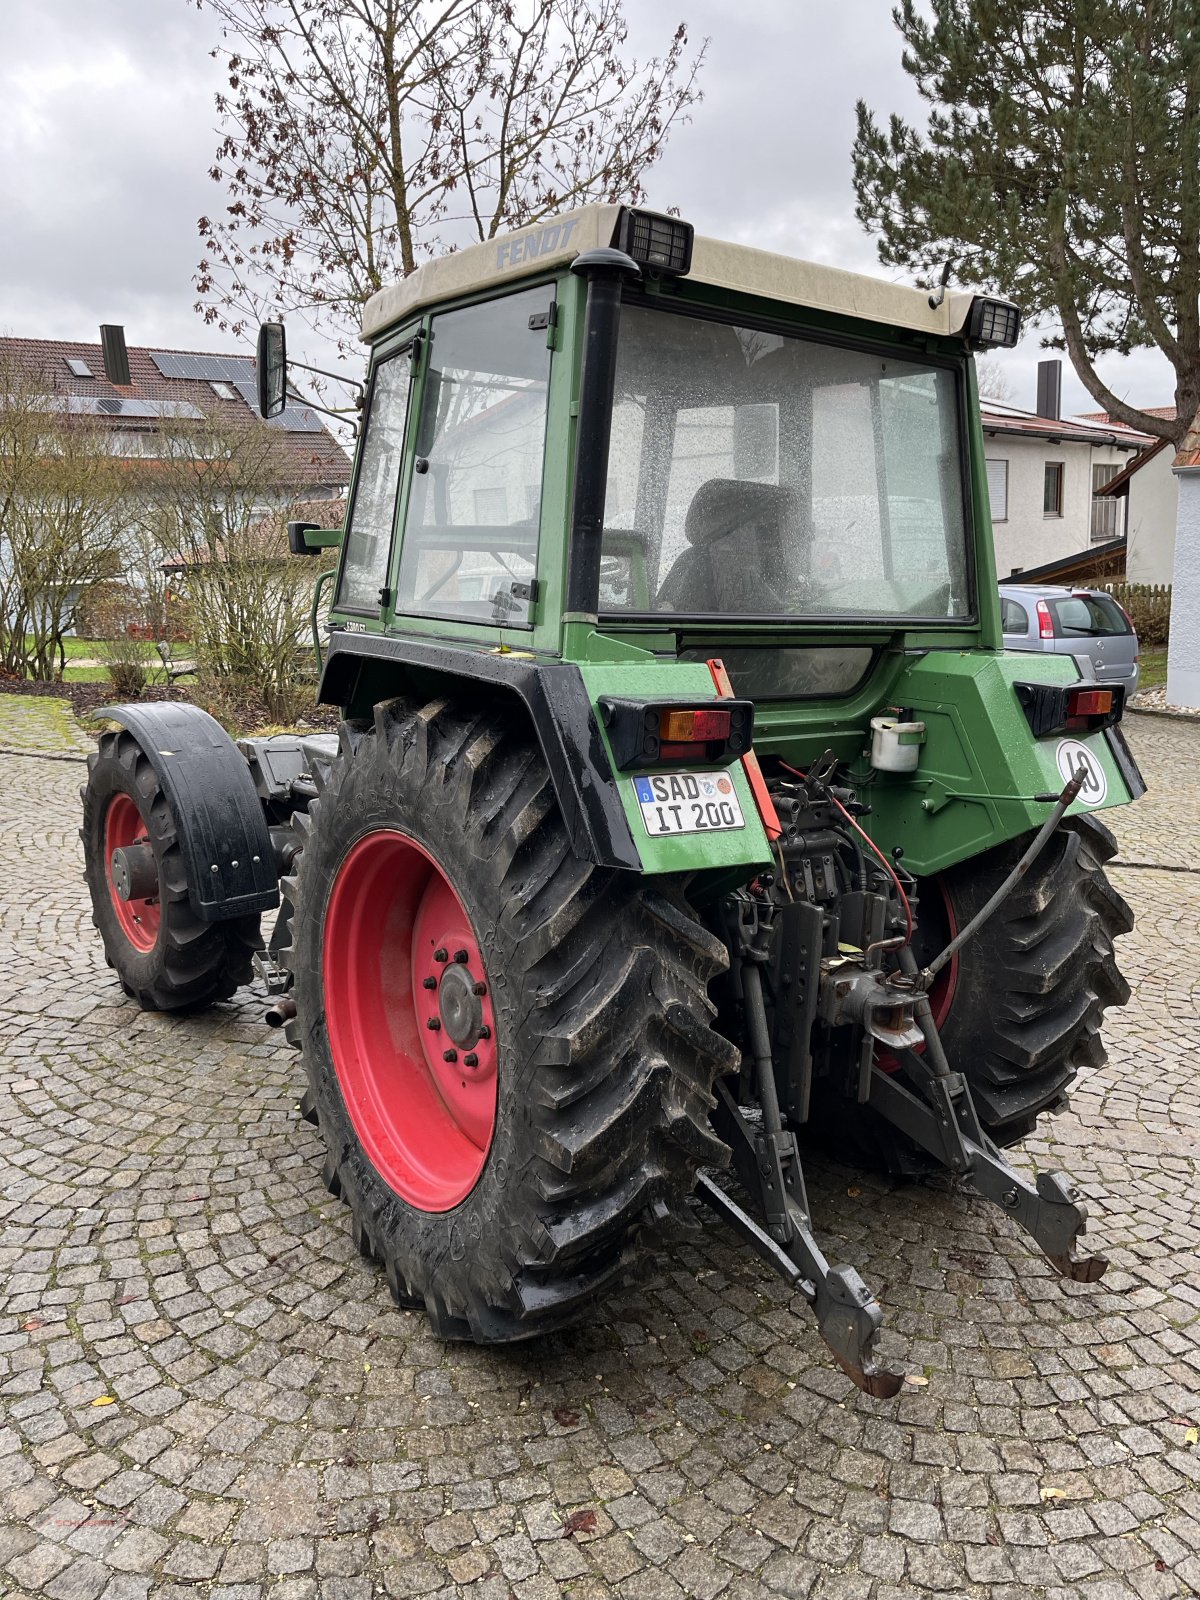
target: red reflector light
1045 621
694 727
1089 702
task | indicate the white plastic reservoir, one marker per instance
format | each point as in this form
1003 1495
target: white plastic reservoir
896 745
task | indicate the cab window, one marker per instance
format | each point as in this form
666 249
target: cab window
373 511
471 528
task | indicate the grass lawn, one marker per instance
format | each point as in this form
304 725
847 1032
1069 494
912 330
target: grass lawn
84 674
1154 669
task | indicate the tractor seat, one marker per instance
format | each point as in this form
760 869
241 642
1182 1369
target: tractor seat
734 560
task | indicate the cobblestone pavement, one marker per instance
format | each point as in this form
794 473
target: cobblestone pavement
204 1391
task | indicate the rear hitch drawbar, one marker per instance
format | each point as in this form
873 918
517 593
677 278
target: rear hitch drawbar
934 1108
848 1315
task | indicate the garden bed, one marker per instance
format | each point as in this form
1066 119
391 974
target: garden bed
240 712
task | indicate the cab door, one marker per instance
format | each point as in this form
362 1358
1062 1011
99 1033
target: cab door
375 494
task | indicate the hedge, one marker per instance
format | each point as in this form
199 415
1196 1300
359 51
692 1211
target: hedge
1149 605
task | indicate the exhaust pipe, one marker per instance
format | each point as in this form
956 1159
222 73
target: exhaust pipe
282 1011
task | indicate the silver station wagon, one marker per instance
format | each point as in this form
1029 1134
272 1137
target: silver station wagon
1073 622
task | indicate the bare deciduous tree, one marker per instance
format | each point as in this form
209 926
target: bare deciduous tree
994 381
365 135
214 506
59 495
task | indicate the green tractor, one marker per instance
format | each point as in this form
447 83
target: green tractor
685 809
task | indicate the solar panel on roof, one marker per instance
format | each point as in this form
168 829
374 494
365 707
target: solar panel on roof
224 369
293 419
79 368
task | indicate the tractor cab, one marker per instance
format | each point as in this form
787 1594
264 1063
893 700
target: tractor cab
604 420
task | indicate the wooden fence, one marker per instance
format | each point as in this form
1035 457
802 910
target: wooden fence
1149 604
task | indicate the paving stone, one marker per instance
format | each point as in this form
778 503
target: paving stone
280 1431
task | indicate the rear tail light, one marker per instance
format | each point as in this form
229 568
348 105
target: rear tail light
655 733
1045 621
1085 708
690 727
1088 703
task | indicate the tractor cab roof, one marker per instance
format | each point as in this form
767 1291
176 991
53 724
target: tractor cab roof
740 268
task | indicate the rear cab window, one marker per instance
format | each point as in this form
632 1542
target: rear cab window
1083 616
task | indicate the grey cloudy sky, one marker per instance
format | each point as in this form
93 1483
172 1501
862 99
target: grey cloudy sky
109 129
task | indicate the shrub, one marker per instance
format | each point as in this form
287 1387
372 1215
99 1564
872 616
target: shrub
1149 608
118 621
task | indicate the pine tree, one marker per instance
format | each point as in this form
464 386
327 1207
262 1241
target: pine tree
1060 166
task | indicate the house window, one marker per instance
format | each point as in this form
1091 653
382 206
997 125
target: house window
491 506
997 482
1107 510
1052 493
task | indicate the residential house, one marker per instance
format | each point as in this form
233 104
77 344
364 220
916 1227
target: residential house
1149 489
1045 476
1183 654
156 386
142 398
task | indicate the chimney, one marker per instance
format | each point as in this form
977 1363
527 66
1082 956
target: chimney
116 357
1049 390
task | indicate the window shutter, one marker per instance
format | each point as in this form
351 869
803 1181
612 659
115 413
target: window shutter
997 482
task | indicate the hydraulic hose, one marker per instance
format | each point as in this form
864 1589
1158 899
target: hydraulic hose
1036 846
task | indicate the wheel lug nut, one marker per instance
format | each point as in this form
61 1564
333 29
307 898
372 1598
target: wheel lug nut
461 957
429 983
449 1055
485 1032
439 955
471 1059
433 1025
479 988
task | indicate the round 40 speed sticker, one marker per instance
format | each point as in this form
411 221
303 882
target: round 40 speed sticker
1071 755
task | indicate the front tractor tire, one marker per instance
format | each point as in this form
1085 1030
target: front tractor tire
165 956
508 1050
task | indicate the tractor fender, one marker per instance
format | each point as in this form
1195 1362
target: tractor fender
219 819
363 668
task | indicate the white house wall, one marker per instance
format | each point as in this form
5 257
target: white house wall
1183 654
1153 511
1029 538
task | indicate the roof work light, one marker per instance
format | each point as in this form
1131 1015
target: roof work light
993 324
659 243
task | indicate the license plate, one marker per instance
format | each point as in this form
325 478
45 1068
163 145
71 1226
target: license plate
688 802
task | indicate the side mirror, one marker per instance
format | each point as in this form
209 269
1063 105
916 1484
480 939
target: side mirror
272 369
297 543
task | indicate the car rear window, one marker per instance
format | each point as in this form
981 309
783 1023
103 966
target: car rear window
1082 616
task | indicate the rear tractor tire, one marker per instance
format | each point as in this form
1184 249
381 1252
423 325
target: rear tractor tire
1032 987
1021 1006
508 1050
166 958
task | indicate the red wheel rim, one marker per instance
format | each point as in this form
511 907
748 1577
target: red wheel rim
140 919
408 1010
